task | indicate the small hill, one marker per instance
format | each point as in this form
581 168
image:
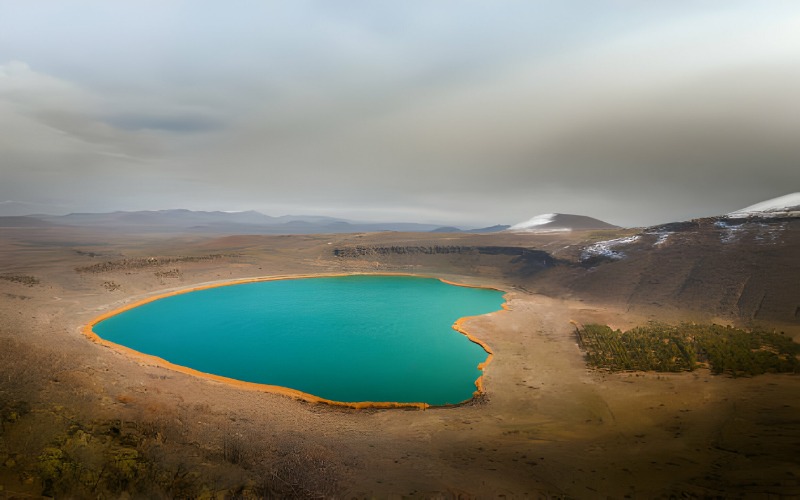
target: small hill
491 229
547 223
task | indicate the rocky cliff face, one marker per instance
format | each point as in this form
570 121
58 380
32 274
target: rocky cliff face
520 261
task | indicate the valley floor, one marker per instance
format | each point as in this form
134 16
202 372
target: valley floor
546 426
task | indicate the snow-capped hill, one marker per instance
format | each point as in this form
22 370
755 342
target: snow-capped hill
539 220
782 205
547 223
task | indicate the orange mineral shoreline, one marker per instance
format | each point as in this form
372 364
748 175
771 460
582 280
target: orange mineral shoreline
88 331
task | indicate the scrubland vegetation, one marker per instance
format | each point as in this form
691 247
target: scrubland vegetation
686 347
58 439
140 263
21 279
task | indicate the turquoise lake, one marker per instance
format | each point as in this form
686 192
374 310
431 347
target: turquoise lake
348 338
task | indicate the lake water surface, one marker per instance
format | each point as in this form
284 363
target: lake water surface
346 338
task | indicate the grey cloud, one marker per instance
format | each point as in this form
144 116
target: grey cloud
175 123
732 131
38 101
453 111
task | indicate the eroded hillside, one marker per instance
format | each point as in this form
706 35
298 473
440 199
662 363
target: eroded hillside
743 269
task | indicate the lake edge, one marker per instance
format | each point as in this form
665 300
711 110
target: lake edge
88 331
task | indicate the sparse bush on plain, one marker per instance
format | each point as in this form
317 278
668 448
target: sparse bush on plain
146 262
21 279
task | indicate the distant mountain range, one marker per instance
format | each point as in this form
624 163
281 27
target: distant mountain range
252 222
249 222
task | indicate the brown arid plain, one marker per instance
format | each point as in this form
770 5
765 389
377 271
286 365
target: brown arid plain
81 419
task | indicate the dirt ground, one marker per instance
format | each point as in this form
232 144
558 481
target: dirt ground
545 427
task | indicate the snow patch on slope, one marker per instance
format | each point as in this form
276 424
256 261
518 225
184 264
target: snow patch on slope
734 229
729 233
606 248
662 238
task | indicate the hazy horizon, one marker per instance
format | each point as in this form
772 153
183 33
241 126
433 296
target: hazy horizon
467 113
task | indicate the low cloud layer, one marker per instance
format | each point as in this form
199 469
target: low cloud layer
453 112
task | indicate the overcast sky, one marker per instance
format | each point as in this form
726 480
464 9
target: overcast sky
461 112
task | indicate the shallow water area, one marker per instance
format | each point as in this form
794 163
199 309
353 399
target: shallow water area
344 338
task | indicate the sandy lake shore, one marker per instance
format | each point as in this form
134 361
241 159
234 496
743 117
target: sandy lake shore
546 426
